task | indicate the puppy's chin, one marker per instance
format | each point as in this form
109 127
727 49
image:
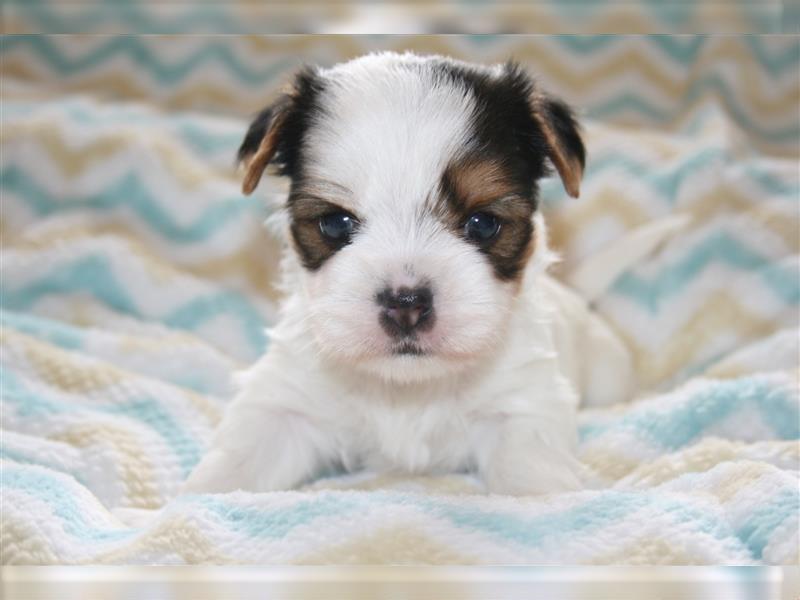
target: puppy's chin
407 362
409 368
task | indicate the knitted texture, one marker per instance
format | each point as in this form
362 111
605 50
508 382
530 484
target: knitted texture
137 280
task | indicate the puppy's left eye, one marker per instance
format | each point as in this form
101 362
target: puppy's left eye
338 226
481 227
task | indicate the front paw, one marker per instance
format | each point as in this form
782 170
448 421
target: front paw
216 473
532 474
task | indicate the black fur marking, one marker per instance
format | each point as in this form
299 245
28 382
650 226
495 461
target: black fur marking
300 105
507 132
507 157
562 120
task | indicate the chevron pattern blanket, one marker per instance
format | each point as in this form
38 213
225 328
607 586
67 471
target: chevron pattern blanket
136 279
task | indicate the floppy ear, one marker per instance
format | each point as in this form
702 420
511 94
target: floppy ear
562 136
261 142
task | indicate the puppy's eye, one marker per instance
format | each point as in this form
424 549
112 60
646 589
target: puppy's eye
338 226
481 227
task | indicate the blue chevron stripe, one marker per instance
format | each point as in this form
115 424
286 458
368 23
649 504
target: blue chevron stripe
706 408
54 332
666 181
73 518
607 508
719 247
93 274
147 59
25 458
90 274
277 522
683 50
150 412
201 310
130 192
133 18
190 130
629 102
762 521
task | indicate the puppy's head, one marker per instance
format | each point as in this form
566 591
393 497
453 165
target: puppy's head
412 203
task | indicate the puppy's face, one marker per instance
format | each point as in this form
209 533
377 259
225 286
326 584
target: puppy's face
413 193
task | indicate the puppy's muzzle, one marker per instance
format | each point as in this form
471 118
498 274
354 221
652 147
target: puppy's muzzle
406 311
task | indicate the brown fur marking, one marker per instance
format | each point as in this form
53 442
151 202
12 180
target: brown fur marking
306 207
474 185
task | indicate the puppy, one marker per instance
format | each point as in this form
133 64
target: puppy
419 331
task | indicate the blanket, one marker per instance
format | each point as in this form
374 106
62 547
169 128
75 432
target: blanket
136 280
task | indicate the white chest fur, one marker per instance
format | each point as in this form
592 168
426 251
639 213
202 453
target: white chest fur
511 417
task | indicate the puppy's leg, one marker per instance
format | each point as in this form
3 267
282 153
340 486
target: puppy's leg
608 373
526 457
260 448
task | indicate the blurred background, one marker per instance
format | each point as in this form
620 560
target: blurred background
409 16
137 278
134 137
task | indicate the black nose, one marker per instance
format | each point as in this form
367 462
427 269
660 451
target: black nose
406 311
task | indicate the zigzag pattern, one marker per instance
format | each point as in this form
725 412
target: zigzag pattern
94 275
136 281
587 70
130 193
545 17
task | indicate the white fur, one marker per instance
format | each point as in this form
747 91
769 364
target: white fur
497 388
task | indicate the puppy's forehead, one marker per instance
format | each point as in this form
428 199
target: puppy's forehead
388 128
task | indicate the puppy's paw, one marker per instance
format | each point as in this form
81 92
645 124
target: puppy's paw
527 461
217 472
533 478
259 451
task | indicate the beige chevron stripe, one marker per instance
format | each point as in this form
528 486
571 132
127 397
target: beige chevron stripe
59 368
73 160
136 469
117 85
607 464
159 270
535 18
23 543
554 66
567 223
701 457
626 19
178 535
747 473
203 405
580 84
216 269
391 545
719 313
205 96
606 136
257 263
728 370
646 550
776 220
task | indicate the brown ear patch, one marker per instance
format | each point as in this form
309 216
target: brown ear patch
485 185
569 169
562 135
255 164
275 136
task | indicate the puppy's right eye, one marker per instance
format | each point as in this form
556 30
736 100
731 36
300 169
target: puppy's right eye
338 226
